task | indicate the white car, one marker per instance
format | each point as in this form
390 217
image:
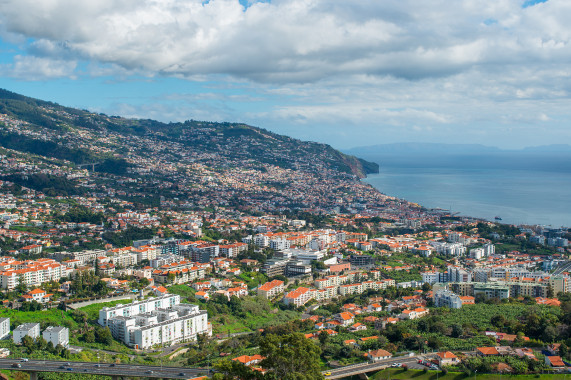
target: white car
397 365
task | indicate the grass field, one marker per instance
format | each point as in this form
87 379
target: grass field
397 373
53 317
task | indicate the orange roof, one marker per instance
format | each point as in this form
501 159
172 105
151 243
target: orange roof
36 291
379 353
487 350
346 315
447 355
556 361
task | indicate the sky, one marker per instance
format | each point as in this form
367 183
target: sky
346 73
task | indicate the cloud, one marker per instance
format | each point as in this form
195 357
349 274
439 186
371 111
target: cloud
292 41
37 68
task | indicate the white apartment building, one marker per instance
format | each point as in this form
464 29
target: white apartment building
4 327
161 327
30 329
57 335
456 274
32 273
271 289
446 298
137 307
279 243
451 249
477 253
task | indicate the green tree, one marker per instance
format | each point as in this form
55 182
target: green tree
290 357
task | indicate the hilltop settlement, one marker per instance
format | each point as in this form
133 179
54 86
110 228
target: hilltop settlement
205 245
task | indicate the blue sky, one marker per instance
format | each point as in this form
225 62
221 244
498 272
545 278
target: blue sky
344 73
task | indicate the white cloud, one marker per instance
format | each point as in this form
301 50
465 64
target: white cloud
395 67
38 68
295 41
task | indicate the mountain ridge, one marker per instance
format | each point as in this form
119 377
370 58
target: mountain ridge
59 150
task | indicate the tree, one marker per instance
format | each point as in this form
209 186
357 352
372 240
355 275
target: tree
290 357
323 337
89 337
103 335
28 342
457 330
21 287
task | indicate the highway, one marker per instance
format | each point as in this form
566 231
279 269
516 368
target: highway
103 369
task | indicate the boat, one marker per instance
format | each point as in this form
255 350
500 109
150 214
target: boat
497 218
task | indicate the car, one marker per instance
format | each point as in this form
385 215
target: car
85 370
69 369
434 367
61 367
149 372
112 365
24 359
16 365
97 365
327 374
68 364
396 365
182 374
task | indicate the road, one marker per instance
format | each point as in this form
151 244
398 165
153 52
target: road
103 369
370 367
566 267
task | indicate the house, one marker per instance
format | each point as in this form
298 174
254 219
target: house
376 355
202 295
447 358
487 351
159 290
414 314
357 327
554 362
37 295
553 348
249 360
345 318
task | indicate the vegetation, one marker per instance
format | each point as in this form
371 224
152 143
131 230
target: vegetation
288 357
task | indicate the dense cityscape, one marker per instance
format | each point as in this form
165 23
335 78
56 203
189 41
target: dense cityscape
210 247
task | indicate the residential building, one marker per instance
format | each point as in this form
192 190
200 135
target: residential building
271 289
376 355
299 296
446 298
4 328
137 307
27 329
150 325
57 335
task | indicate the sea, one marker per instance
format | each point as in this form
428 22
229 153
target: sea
518 194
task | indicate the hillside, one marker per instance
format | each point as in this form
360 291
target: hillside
194 163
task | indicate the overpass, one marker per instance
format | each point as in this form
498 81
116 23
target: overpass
363 368
116 371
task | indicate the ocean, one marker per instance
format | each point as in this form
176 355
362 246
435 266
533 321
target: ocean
518 195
